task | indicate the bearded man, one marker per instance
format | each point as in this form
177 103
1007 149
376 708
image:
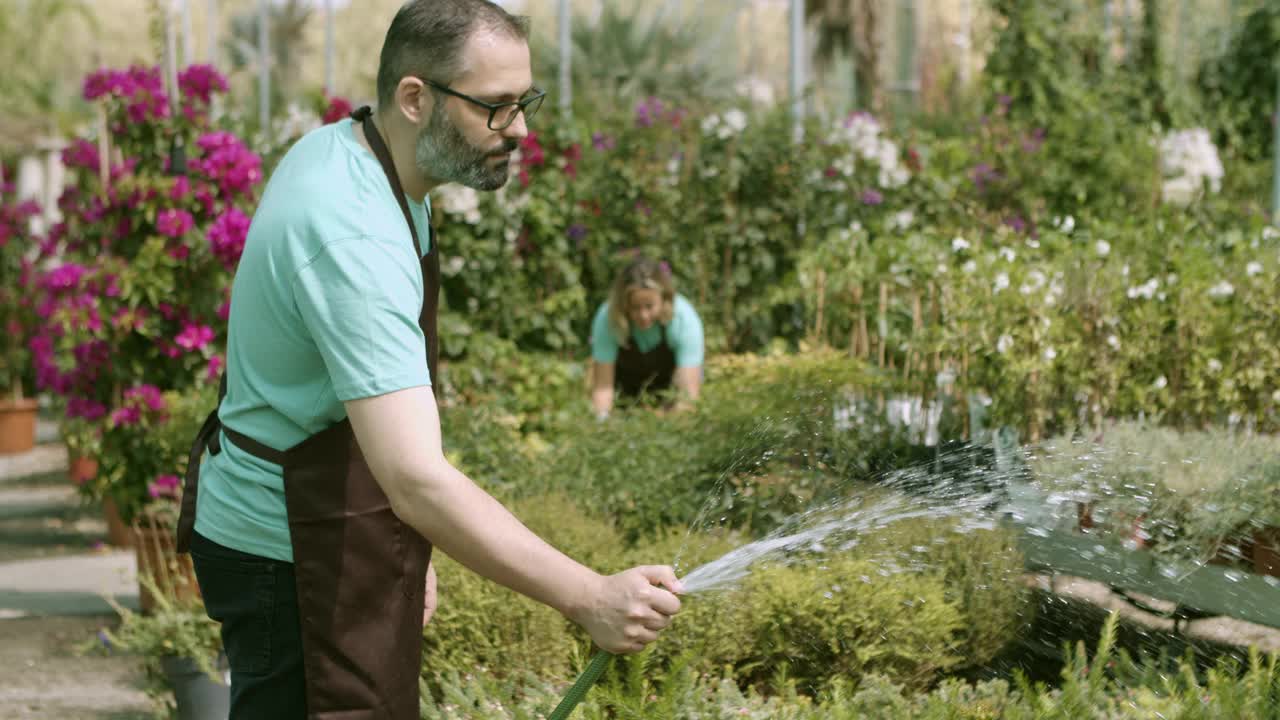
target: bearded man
317 489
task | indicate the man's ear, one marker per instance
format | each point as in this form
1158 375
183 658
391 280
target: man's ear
413 99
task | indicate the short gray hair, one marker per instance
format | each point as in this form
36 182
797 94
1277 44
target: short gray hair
426 39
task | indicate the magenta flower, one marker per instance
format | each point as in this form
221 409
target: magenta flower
64 277
201 82
174 223
227 235
603 142
81 154
214 369
125 416
86 408
145 395
872 197
194 337
165 486
228 163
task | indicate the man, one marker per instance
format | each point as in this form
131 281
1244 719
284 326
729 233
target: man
306 519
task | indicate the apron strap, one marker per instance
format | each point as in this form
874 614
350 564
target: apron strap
364 116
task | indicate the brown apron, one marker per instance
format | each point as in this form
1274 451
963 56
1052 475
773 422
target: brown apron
361 572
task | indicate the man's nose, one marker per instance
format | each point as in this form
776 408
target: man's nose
518 129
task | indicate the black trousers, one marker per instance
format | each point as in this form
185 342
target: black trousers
256 601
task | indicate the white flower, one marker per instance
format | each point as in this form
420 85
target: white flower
1003 344
1275 396
1146 290
1270 233
1253 268
1222 290
902 220
1008 254
710 124
736 120
1002 281
1125 270
756 89
1033 243
1189 161
459 200
1050 354
942 268
1103 247
1114 342
454 265
1214 365
1065 224
855 226
958 244
1160 383
970 267
1171 279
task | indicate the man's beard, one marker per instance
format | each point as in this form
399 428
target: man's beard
444 155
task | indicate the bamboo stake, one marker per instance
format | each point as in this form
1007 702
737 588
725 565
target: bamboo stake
104 148
884 321
822 301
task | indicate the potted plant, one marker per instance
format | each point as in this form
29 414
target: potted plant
145 443
17 315
182 650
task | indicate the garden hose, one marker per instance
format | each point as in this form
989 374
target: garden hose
579 690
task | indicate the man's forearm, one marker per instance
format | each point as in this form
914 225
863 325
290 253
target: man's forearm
471 527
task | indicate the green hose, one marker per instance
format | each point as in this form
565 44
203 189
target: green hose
579 690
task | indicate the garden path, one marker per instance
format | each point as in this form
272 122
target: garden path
54 570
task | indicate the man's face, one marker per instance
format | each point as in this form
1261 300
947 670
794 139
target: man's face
455 144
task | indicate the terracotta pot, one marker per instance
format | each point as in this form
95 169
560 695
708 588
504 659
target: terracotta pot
157 556
82 469
118 533
17 426
1266 552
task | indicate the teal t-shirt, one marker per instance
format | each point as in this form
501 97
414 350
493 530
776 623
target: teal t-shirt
684 335
324 309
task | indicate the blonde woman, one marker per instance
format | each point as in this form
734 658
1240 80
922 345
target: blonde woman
645 339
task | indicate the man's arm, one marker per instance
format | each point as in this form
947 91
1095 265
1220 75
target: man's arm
602 388
399 434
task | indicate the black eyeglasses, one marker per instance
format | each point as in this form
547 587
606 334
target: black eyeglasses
501 115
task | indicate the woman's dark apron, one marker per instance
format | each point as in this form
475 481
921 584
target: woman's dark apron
637 372
361 572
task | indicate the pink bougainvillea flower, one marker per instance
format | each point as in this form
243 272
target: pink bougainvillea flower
227 235
148 396
214 370
338 109
164 486
174 223
125 417
194 337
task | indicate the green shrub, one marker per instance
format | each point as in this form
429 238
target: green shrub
479 623
1108 684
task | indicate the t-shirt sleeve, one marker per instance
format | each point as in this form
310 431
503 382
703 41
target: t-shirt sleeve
604 347
686 335
360 300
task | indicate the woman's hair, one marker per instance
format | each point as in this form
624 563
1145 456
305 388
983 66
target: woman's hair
642 273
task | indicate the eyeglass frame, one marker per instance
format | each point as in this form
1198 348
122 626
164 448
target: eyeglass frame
493 108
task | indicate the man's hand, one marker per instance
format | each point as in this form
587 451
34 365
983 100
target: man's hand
626 611
429 597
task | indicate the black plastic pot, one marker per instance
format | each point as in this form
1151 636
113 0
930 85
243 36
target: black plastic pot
199 696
